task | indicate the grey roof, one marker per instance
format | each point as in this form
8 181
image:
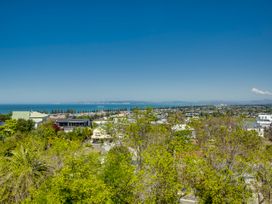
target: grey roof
73 120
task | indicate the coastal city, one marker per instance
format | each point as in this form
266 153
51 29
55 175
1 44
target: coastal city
103 131
256 117
135 102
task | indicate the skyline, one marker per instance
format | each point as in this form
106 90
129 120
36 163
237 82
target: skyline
71 51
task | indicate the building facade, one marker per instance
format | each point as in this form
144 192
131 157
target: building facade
37 117
264 120
69 125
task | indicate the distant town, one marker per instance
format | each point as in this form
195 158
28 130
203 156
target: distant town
183 152
255 117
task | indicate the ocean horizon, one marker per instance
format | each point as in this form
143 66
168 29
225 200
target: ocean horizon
49 108
116 105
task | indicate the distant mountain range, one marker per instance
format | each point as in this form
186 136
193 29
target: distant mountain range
265 101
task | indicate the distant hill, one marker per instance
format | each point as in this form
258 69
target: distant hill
265 101
186 103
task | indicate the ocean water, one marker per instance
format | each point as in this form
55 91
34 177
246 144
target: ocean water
48 108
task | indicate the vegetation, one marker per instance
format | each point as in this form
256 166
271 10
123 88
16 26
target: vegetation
268 133
213 159
4 117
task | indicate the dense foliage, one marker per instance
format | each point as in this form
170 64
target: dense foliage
219 162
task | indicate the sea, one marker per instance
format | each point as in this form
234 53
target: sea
78 108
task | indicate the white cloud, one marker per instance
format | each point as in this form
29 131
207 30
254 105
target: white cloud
258 91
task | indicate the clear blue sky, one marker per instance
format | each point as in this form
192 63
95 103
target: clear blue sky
69 51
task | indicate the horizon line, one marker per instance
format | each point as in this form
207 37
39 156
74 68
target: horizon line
136 101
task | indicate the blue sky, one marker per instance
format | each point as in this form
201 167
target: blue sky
70 51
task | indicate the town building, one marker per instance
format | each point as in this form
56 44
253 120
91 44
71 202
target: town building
100 135
37 117
57 116
264 120
254 126
68 125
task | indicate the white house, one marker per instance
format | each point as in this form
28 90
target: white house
259 130
37 117
264 120
100 122
249 126
99 134
179 127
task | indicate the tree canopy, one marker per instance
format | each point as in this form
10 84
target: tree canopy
214 159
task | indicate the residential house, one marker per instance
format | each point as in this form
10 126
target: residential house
37 117
249 126
68 125
100 135
264 120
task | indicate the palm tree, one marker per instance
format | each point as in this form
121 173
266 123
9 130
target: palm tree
19 173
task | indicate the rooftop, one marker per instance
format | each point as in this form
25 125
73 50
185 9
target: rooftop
37 115
73 120
21 115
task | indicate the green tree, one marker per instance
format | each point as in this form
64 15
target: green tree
158 179
268 133
181 142
227 153
46 130
25 125
119 174
4 117
142 132
263 175
77 182
8 129
20 173
213 186
79 134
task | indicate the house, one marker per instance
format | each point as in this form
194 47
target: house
21 115
249 126
57 116
37 117
179 127
100 122
68 125
264 120
100 135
